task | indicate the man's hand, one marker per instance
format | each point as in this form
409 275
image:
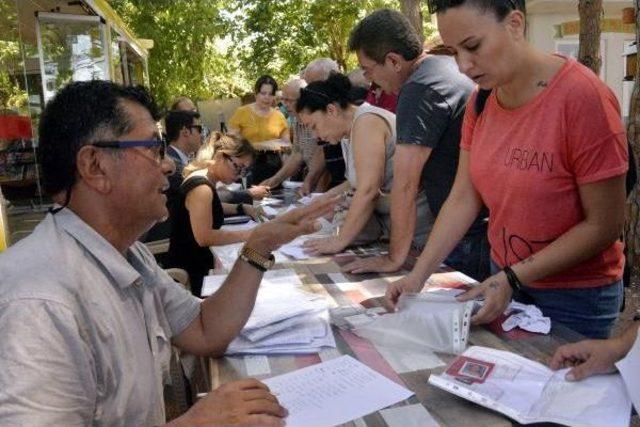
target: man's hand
408 284
282 229
272 182
589 357
244 402
258 192
496 292
325 245
374 264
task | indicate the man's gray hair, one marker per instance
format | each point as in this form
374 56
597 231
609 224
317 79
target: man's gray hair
320 69
295 84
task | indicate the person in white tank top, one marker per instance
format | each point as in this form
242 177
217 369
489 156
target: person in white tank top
368 137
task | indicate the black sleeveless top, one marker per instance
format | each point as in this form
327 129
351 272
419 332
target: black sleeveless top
184 251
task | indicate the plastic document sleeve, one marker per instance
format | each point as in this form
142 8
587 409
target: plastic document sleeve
529 392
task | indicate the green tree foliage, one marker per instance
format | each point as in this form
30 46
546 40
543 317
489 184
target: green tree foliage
216 48
12 96
281 37
184 60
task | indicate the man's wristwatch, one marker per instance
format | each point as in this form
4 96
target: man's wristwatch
240 209
256 259
513 280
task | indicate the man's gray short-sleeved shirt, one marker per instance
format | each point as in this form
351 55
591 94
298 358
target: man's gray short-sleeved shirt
85 330
431 106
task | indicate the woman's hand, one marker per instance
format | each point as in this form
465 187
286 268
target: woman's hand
496 293
325 245
408 284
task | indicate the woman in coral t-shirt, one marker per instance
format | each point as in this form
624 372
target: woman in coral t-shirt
547 154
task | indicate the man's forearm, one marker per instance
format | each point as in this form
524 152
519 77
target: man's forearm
315 168
225 313
403 220
293 163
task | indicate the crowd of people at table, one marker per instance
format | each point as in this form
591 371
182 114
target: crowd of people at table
504 162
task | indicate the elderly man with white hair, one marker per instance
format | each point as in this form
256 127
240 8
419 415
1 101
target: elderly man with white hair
305 142
319 69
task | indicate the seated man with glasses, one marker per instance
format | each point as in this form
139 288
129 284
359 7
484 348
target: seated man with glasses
87 317
184 137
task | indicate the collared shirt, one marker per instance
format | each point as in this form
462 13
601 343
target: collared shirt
183 157
85 330
304 140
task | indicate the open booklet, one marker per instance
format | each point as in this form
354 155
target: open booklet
530 392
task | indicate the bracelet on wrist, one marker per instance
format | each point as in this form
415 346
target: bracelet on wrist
240 209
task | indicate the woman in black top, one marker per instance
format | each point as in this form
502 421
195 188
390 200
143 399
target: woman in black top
198 215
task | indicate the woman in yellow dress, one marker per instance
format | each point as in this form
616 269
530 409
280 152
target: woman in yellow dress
259 122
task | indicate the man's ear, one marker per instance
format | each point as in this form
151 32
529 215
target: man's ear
395 59
184 132
93 166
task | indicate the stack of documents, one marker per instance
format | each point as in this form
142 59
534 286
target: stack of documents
284 320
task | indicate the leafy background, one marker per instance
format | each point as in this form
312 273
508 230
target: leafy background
214 49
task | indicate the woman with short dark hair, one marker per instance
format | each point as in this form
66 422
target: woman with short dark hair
367 135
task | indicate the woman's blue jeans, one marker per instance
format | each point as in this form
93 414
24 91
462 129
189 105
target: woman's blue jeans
589 311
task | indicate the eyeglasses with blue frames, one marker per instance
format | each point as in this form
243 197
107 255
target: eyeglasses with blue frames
157 146
239 169
435 5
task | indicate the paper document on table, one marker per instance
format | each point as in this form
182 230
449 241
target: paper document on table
285 277
629 368
236 227
334 392
306 200
530 392
295 249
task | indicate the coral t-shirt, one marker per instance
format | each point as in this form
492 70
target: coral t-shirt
528 163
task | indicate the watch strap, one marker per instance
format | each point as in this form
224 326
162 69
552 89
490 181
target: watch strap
256 259
239 209
512 278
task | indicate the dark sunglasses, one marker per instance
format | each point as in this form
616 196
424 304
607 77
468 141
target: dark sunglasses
199 127
239 169
157 144
436 5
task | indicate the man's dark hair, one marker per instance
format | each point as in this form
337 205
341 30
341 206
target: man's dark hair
500 8
176 120
82 113
266 80
385 31
318 95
